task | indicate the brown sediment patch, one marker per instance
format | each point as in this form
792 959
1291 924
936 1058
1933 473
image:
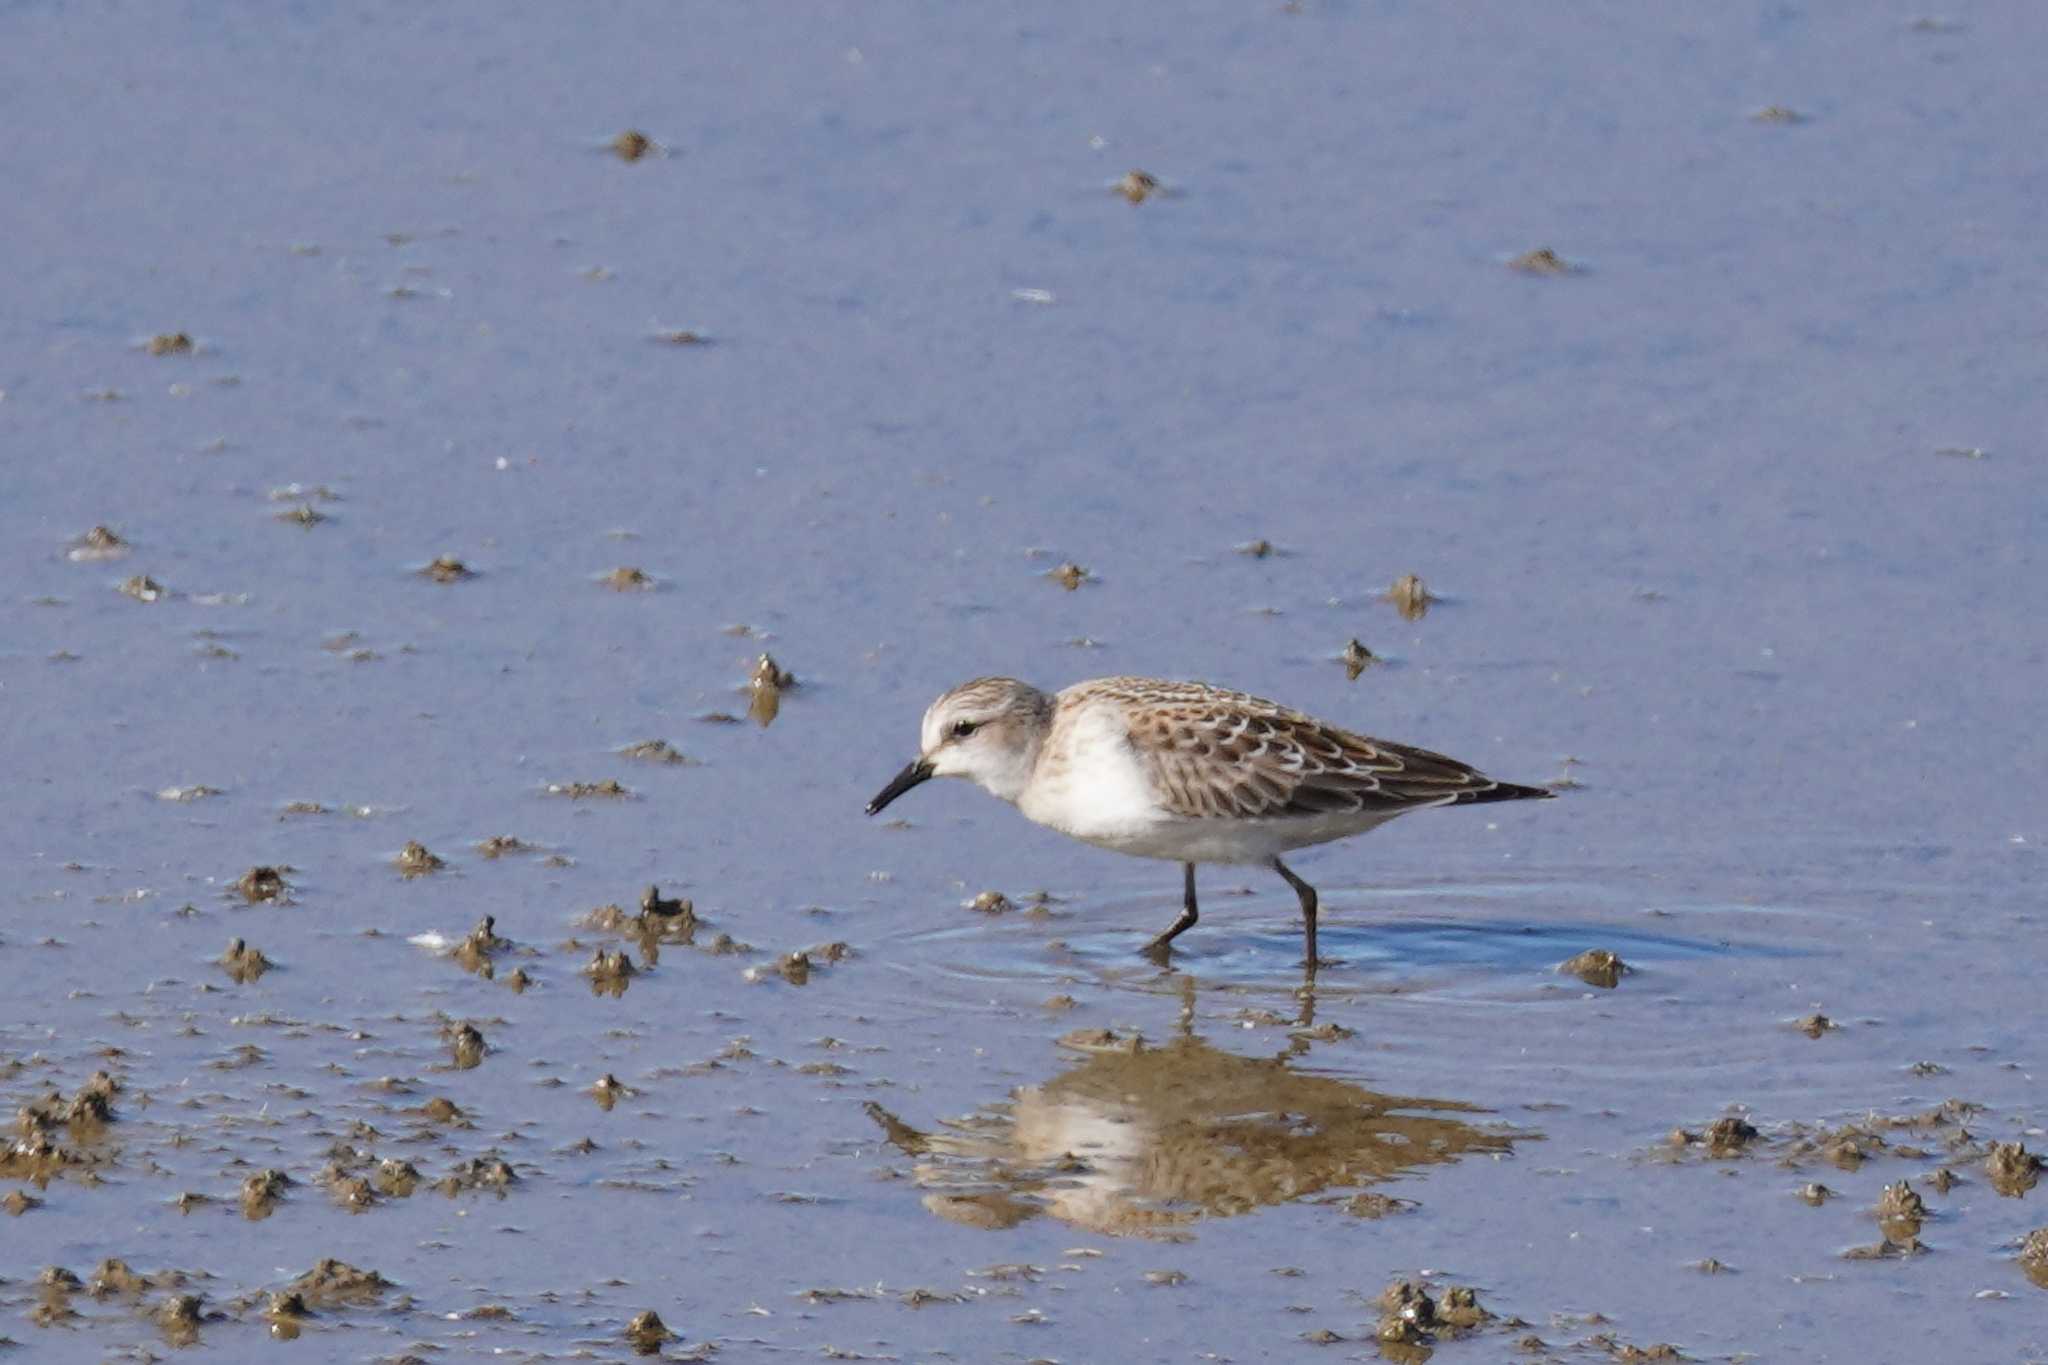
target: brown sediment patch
417 860
1596 967
446 569
303 515
2033 1256
608 789
654 751
765 687
647 1333
243 963
626 578
396 1178
99 543
797 967
1410 1316
610 971
142 588
2012 1169
180 1317
1543 261
286 1312
302 808
682 336
170 343
466 1045
1069 575
489 1172
479 946
1845 1146
443 1110
17 1202
1356 658
113 1277
1410 596
264 883
337 1284
1780 114
502 846
1373 1205
263 1192
1137 186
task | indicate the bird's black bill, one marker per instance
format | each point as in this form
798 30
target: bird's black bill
920 771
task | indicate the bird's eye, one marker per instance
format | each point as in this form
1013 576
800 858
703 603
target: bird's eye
963 728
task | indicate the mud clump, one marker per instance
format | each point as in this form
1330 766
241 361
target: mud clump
113 1278
286 1312
765 688
2012 1168
264 884
1410 597
446 569
1137 186
478 1173
654 751
662 912
1815 1194
625 578
142 588
1411 1316
1725 1137
1814 1025
17 1202
336 1284
180 1317
1596 967
441 1109
101 542
243 963
991 903
466 1045
1900 1212
647 1333
1356 658
610 972
395 1178
1542 261
170 343
479 946
417 860
1069 575
261 1193
2033 1256
608 1090
631 145
501 846
609 789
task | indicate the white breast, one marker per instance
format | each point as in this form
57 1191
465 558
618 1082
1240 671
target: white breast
1089 784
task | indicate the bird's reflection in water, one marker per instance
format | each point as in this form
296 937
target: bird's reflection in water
1137 1139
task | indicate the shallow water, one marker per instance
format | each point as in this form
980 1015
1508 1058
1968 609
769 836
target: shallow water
1737 527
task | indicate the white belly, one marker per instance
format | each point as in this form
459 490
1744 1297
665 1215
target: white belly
1094 789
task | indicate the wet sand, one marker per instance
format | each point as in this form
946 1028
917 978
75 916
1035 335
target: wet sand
486 505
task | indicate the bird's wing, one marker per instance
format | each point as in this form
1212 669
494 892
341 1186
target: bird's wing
1246 764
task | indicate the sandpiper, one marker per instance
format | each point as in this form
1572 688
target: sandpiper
1183 771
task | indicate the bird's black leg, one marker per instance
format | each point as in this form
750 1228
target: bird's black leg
1161 947
1307 894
